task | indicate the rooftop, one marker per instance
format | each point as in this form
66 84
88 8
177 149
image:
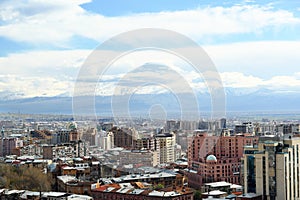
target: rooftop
249 195
214 193
142 176
218 184
66 178
135 190
211 158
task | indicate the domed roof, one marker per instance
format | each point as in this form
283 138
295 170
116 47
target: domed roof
211 158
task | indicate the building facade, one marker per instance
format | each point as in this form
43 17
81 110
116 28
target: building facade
214 158
9 146
139 158
272 169
167 144
124 137
104 140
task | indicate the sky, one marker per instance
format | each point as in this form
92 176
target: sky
44 43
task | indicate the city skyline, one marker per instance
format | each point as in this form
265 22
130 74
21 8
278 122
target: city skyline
254 45
150 100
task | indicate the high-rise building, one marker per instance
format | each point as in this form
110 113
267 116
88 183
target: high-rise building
124 137
216 126
47 152
265 129
9 146
188 125
246 127
148 143
89 135
167 143
61 136
74 135
203 125
287 128
223 123
104 140
272 169
216 158
172 125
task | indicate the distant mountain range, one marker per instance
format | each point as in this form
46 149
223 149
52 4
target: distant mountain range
259 100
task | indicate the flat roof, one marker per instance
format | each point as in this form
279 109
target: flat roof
109 189
79 197
123 190
130 189
143 176
249 195
14 192
156 193
30 193
170 194
68 168
66 178
214 193
218 184
235 186
137 191
53 194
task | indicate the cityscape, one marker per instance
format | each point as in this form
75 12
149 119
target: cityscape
149 100
205 159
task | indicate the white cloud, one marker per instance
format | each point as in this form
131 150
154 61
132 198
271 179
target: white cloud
40 73
250 66
43 62
23 87
16 86
40 21
55 22
263 59
284 82
237 80
240 80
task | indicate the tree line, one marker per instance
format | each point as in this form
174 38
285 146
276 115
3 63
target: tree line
24 178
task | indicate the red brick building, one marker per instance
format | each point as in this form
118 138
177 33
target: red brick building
216 158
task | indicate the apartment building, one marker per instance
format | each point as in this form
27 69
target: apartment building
167 143
272 169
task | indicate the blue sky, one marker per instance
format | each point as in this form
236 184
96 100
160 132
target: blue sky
119 7
254 44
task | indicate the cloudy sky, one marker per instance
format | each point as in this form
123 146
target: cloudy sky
254 44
